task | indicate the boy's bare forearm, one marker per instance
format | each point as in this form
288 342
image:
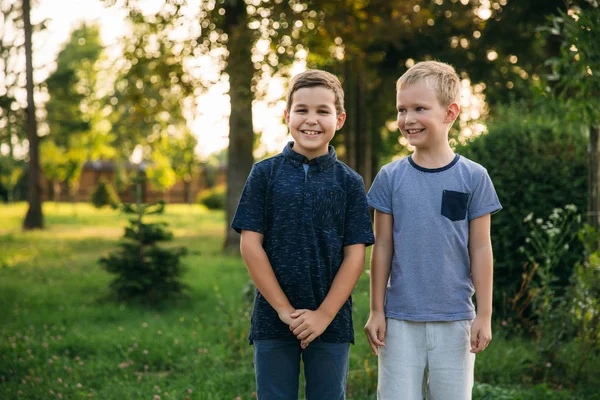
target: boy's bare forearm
381 260
482 273
482 267
261 272
345 280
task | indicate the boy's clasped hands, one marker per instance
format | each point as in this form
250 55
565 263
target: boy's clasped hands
306 325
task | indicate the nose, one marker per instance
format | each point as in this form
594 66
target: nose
311 118
410 118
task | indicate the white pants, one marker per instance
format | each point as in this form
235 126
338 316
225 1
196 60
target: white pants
412 348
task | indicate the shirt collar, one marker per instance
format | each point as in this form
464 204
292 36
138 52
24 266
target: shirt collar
297 159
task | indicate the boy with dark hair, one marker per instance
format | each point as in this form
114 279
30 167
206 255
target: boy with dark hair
304 221
432 230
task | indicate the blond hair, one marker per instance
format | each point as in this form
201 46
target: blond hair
437 76
316 77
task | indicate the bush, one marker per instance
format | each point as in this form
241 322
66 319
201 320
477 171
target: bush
145 272
214 199
537 164
105 195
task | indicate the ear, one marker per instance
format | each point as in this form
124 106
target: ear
452 113
286 116
341 118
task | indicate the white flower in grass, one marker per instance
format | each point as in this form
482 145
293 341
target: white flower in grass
552 232
571 207
539 221
528 217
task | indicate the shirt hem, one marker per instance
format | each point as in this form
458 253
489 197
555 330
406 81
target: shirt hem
378 207
486 210
431 317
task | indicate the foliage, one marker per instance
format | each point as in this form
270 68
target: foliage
545 247
213 198
12 51
70 110
537 163
575 72
144 271
584 295
560 314
105 195
11 171
159 172
371 43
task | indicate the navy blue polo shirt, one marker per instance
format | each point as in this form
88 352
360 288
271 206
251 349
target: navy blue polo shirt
307 211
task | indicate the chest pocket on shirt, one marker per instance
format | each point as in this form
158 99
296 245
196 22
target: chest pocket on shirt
454 205
329 208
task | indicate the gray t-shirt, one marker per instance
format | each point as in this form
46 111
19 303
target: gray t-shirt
430 276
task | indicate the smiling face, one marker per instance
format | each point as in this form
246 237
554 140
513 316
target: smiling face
313 120
422 120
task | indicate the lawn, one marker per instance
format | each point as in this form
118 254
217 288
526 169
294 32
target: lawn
61 337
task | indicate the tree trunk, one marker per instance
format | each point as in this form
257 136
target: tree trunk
357 137
593 167
351 125
187 190
34 217
364 145
241 133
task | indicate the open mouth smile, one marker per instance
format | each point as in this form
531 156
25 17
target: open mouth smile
414 131
311 133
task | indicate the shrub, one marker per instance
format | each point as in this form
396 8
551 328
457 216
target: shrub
145 271
537 164
214 199
104 195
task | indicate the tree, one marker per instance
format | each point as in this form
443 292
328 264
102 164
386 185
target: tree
154 85
34 217
232 29
11 171
12 114
181 151
576 78
371 43
70 110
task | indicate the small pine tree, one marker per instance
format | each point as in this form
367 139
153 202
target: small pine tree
105 195
145 271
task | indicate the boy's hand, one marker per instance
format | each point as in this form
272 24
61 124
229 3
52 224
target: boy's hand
286 316
308 325
375 330
481 334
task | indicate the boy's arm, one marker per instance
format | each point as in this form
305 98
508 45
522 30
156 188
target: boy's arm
480 252
308 324
262 274
381 262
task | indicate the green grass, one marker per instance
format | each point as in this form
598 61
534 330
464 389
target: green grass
61 338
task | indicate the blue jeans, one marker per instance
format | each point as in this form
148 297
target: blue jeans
277 364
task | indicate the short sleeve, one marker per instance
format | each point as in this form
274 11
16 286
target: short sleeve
250 214
484 199
380 194
358 228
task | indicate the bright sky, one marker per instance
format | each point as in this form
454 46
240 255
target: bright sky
209 124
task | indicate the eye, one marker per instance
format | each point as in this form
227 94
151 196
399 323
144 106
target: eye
401 110
324 112
420 108
300 110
